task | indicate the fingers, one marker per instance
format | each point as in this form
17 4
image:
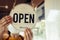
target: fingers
8 19
5 20
5 28
28 34
5 35
1 30
26 37
2 20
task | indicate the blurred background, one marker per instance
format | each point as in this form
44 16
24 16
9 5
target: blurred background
52 19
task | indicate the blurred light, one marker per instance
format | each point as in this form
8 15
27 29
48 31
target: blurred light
6 7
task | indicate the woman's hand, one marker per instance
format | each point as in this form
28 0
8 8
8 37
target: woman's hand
4 22
28 34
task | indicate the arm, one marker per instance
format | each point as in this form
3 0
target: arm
4 22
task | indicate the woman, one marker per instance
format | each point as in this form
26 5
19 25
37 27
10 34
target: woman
4 35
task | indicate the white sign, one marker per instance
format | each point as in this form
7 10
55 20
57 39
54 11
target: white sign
23 15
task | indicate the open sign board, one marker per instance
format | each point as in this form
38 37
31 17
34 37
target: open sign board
23 15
